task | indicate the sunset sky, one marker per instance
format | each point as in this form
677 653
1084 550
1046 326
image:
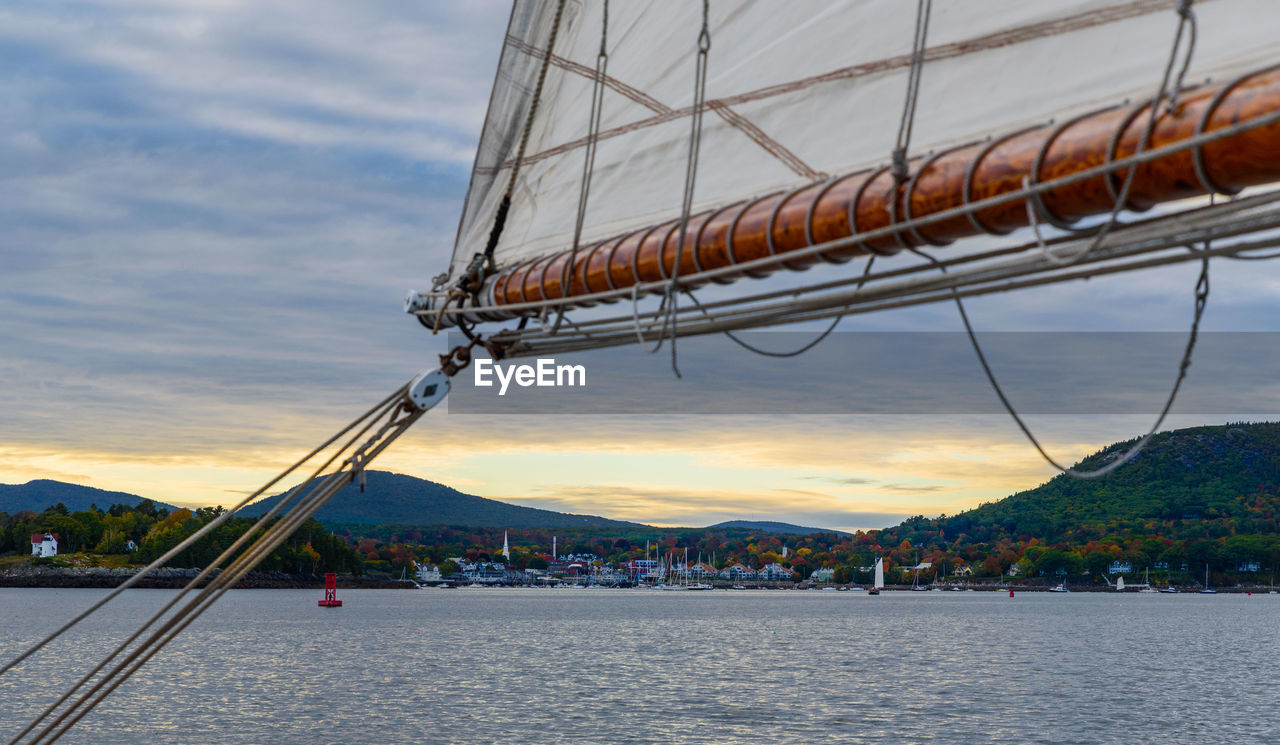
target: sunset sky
210 213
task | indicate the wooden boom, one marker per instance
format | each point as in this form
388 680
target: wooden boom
861 202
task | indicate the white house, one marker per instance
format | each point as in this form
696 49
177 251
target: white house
1121 567
738 571
44 544
774 572
825 574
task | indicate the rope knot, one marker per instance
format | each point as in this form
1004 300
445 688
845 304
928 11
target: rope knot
900 171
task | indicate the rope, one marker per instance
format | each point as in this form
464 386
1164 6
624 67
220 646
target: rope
190 540
276 534
500 219
866 271
589 162
316 495
387 405
690 174
900 172
1201 300
1186 19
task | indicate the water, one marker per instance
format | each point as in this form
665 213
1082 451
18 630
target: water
634 666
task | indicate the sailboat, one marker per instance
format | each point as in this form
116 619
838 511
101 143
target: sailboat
1207 589
877 582
636 154
1146 582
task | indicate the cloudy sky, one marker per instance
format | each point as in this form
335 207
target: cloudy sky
210 213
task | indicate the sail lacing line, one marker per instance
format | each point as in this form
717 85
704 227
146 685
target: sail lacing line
589 161
1186 21
690 177
395 414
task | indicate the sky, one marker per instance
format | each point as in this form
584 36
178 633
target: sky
210 213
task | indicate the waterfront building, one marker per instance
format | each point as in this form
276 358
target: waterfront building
739 572
825 574
775 572
44 544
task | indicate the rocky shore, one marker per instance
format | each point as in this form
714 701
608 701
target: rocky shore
173 578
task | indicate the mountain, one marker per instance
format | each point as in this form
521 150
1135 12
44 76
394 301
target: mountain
42 494
772 527
1198 480
393 498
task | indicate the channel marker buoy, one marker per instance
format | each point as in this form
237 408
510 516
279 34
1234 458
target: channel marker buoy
330 592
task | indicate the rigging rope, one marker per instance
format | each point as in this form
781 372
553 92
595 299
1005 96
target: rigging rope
690 176
1186 20
401 413
866 271
190 540
589 161
1201 299
900 173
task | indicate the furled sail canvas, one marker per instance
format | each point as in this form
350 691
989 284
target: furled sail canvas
806 95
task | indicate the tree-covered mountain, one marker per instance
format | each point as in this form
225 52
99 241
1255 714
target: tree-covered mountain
772 527
41 494
396 499
1200 482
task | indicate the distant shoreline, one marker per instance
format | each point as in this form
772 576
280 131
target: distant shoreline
166 578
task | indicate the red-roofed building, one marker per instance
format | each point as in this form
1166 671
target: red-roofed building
44 544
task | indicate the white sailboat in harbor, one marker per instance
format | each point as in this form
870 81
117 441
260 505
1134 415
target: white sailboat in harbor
877 582
1207 589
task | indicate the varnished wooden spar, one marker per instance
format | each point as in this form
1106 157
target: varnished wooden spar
821 212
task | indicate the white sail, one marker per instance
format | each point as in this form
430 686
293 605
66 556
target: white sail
798 90
879 578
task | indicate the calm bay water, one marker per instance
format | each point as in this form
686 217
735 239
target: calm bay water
635 666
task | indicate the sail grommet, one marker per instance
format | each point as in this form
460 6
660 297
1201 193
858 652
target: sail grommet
1113 149
733 228
773 220
1197 152
697 243
813 204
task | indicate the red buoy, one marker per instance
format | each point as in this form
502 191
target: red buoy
330 592
1010 592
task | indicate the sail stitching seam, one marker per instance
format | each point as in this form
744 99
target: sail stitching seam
941 52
